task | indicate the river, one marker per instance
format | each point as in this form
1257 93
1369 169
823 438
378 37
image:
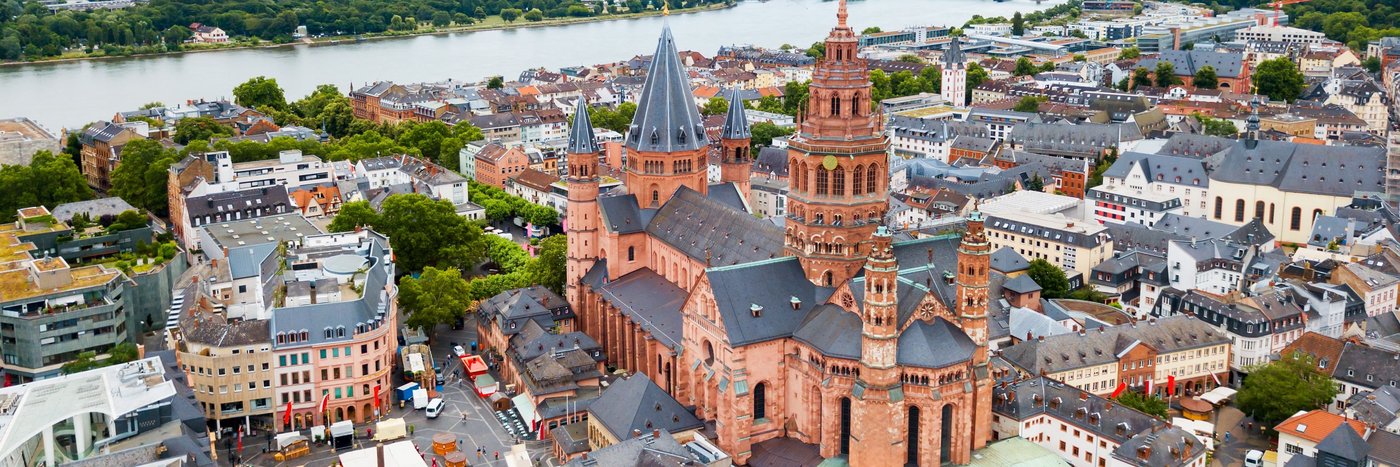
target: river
70 94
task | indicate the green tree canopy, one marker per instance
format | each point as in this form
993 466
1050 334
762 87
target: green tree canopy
534 15
1130 53
48 180
1141 77
1166 74
353 214
437 296
549 264
870 30
1279 79
1217 126
1148 404
199 129
1051 279
715 106
427 232
1030 103
976 75
762 133
496 82
1205 78
613 119
141 177
1024 67
1273 392
260 91
1018 25
510 14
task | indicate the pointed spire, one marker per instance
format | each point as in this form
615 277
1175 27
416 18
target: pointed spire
736 122
841 15
581 139
667 119
954 55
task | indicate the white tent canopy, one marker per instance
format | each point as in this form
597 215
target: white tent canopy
1218 395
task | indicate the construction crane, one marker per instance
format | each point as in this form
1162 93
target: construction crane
1278 6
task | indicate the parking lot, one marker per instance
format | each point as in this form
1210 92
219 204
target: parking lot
465 416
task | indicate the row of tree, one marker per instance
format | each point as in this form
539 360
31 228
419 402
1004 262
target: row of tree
28 30
501 206
49 180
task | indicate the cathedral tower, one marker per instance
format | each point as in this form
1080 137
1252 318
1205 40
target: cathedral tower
954 88
878 409
666 143
839 168
582 212
736 162
974 269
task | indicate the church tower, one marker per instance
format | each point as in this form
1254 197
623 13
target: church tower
666 143
839 169
736 162
955 75
878 410
582 211
974 269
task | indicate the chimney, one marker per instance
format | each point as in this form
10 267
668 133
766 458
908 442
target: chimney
636 433
1144 452
655 434
756 310
796 303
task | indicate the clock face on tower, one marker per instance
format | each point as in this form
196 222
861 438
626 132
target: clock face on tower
829 162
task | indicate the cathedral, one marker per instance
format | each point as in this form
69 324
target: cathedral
819 328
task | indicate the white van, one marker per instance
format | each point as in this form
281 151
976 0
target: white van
435 407
1254 458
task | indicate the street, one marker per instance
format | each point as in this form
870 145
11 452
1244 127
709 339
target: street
1229 419
465 416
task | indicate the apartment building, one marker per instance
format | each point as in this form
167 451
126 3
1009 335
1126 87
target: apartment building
1050 227
1259 325
101 150
51 311
1180 349
1157 177
1087 430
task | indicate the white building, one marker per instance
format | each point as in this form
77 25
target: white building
1120 203
1272 33
1159 176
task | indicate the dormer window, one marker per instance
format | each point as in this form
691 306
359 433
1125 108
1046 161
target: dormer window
654 138
680 136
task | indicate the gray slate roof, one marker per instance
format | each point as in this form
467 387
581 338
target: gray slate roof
711 231
736 123
1187 62
831 330
1344 442
581 138
1304 168
95 208
1097 347
666 119
637 403
1007 260
1021 284
728 195
651 301
1176 170
738 288
933 344
621 214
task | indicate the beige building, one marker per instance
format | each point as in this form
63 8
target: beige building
228 364
1046 226
1287 186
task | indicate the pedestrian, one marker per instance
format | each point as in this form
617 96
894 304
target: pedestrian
478 453
498 455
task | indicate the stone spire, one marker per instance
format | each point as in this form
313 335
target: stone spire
954 75
1251 124
954 55
841 15
666 119
581 139
736 122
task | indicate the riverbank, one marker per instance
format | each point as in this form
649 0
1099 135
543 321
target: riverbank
490 23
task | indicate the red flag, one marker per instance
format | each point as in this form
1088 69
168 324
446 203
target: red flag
376 396
1216 378
240 440
325 399
1171 385
1116 392
287 416
1147 389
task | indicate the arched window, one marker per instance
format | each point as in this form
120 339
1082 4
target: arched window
631 253
709 353
858 177
1296 222
1219 207
822 181
855 106
1239 210
760 402
870 179
838 182
1316 214
835 105
1271 212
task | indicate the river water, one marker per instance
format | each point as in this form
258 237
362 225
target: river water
70 94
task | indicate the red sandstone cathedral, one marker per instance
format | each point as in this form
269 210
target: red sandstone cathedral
819 328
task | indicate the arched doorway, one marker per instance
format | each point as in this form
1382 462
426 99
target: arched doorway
339 414
350 413
911 440
368 412
845 426
945 444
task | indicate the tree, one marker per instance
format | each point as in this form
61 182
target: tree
1205 78
1024 67
817 50
534 15
715 106
1141 77
127 220
496 82
122 353
353 214
548 267
1279 79
1036 183
1217 126
510 14
84 362
1051 279
1029 104
199 129
427 232
976 75
140 178
1372 64
1273 392
910 58
762 133
437 296
1018 25
870 30
1148 404
1166 74
613 119
1130 53
260 91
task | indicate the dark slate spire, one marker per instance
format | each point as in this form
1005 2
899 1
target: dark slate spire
736 123
581 139
954 55
667 119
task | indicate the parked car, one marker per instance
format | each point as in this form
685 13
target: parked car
1254 458
435 407
459 351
